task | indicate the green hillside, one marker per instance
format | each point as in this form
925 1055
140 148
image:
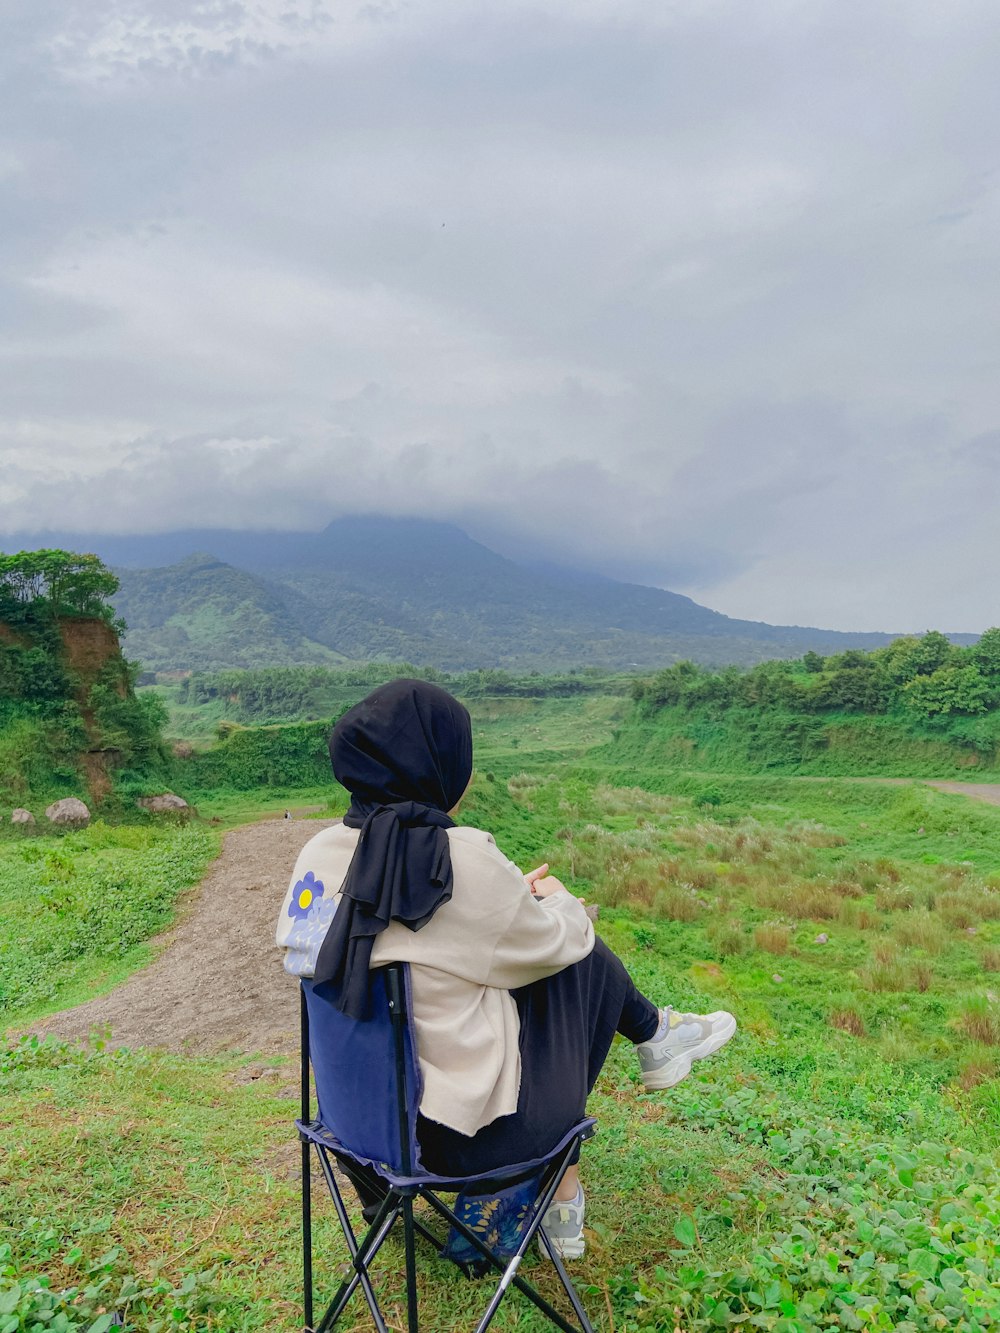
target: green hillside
916 707
203 614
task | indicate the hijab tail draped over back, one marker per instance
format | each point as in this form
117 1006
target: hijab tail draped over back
405 755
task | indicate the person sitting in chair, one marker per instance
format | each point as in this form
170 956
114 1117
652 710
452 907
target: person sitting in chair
515 1001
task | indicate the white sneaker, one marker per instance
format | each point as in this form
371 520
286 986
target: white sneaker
664 1061
563 1224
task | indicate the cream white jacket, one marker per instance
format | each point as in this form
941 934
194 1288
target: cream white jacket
491 937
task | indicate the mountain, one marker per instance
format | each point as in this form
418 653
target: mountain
407 590
205 615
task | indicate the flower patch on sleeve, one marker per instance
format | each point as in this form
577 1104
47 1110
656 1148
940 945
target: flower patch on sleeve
307 892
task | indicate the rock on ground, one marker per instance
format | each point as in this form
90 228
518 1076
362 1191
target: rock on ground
157 805
22 816
218 982
68 811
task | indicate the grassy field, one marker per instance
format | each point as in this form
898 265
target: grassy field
76 911
838 1166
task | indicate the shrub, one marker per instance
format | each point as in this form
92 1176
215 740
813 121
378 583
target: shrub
253 757
980 1069
803 901
814 835
630 800
888 869
728 938
709 796
893 898
846 888
968 906
883 972
991 960
677 903
867 876
922 976
849 1020
699 877
817 904
858 916
980 1021
623 885
920 930
773 937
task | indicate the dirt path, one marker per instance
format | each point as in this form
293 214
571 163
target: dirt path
218 982
978 791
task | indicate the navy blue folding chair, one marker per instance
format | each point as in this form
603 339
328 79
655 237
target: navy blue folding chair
368 1087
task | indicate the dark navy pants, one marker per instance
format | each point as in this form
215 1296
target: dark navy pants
568 1022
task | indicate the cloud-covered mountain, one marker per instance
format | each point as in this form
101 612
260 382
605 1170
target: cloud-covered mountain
406 590
690 295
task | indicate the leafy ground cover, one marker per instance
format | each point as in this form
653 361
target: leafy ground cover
77 910
836 1167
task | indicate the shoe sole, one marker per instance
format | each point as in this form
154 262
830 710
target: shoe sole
569 1248
677 1070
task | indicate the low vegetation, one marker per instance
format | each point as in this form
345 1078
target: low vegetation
77 908
837 1168
915 706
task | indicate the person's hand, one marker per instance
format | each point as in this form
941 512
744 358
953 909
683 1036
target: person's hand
533 875
545 885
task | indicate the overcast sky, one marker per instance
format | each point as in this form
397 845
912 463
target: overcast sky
701 294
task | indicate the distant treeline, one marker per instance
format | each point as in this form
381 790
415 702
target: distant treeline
292 693
925 681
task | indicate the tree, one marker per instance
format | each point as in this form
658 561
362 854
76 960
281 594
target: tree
986 654
951 690
52 583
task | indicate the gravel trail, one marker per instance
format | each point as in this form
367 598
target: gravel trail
217 982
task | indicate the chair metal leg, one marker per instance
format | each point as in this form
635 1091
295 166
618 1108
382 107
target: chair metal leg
567 1282
360 1277
412 1313
510 1275
307 1275
510 1272
526 1289
361 1254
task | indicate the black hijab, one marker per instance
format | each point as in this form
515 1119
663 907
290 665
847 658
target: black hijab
405 755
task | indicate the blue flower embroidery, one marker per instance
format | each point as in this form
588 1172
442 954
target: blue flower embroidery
305 893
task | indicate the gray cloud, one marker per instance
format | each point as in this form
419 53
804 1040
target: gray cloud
691 295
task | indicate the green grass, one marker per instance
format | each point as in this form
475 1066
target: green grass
835 1167
835 744
76 911
228 809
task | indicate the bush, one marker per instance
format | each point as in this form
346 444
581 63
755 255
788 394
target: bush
729 939
108 1296
773 938
920 930
980 1021
884 972
248 758
848 1020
